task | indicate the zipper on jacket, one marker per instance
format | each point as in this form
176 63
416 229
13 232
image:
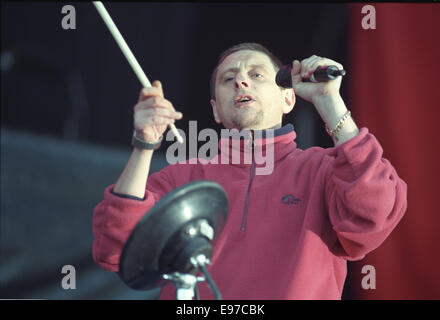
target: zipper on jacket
251 178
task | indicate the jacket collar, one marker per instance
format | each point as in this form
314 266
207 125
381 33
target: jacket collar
249 143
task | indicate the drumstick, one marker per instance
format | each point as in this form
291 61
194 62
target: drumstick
128 54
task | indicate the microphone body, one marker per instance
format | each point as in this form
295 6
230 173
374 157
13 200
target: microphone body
321 74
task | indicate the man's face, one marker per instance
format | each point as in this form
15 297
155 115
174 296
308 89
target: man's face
246 93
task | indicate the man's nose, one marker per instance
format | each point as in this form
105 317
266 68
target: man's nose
241 82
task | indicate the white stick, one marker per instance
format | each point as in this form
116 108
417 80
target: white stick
128 54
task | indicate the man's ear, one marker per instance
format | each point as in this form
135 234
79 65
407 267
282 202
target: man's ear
214 111
289 99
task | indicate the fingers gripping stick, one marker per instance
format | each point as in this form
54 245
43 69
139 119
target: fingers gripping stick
128 54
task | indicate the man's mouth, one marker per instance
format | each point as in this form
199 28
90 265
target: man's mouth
243 100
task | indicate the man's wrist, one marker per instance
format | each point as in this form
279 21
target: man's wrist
336 117
140 143
330 107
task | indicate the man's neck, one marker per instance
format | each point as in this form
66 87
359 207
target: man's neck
277 126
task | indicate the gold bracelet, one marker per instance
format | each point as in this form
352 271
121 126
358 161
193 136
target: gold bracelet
333 133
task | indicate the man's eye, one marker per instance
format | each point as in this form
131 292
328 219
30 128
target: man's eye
258 75
227 79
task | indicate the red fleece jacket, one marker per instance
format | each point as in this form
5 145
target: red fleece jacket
288 234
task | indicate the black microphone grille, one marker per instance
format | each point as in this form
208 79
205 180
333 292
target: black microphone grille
283 77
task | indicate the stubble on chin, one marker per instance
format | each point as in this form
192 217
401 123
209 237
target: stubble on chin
247 120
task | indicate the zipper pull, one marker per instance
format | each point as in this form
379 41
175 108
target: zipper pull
251 140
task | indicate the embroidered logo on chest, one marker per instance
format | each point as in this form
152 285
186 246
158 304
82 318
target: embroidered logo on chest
290 199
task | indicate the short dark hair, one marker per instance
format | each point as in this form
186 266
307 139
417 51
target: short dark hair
239 47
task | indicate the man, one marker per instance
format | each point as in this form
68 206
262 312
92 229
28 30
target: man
344 201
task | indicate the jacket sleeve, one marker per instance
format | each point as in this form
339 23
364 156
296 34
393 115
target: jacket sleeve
115 217
364 196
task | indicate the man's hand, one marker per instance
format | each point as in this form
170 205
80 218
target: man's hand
311 91
153 113
324 95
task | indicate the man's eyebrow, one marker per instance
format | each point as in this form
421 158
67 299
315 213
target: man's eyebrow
234 69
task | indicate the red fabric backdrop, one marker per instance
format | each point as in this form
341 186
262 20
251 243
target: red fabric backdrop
394 90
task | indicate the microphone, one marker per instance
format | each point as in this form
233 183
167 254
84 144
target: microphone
321 74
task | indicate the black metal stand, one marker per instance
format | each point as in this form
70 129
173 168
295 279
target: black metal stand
186 284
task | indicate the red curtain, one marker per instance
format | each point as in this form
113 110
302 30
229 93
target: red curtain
394 90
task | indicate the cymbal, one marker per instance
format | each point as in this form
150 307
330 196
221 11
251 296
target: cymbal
184 223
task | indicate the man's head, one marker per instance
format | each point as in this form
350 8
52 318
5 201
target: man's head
247 71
